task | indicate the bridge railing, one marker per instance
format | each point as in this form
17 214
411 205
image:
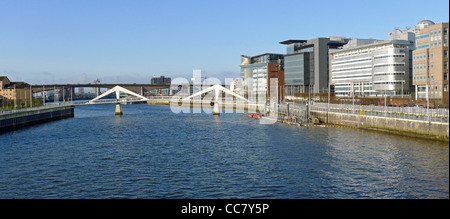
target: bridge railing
159 97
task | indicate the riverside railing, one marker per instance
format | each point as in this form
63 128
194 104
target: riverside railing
293 112
48 106
411 113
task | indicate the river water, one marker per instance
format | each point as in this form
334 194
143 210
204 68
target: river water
151 152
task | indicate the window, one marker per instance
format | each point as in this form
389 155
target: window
431 66
445 76
445 65
445 53
431 55
445 87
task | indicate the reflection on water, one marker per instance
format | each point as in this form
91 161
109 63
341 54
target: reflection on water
150 152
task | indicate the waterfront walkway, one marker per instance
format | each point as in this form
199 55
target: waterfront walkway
410 113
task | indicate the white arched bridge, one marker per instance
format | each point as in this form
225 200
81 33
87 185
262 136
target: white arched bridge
134 97
131 97
217 89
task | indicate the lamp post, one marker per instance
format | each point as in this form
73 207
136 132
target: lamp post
31 96
44 94
15 97
329 95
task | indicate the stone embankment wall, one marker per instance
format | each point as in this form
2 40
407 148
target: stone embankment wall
414 128
22 118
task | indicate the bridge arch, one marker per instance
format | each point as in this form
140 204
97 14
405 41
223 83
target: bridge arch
217 91
117 90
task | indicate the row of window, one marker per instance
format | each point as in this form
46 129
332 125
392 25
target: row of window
351 61
340 77
368 67
366 51
387 83
367 59
389 73
390 56
422 56
356 89
420 67
432 44
423 78
387 65
7 94
436 33
423 88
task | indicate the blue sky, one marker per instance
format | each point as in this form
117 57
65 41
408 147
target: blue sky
76 41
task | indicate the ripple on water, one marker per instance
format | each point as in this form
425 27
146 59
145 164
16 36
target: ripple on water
152 153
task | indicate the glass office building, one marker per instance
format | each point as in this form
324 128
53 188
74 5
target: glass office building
256 72
298 71
306 64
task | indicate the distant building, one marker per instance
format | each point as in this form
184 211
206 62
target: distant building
430 61
306 64
160 81
19 92
409 34
368 67
257 71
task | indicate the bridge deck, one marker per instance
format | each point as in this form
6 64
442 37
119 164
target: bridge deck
138 88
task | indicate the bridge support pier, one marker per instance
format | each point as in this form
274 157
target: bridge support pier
216 108
118 110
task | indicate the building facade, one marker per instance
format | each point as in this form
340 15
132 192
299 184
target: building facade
160 81
257 72
430 63
14 93
367 67
306 64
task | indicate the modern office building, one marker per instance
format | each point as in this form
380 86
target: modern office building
409 35
306 64
367 67
430 62
257 72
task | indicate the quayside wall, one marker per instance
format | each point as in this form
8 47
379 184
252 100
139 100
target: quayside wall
13 120
413 128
